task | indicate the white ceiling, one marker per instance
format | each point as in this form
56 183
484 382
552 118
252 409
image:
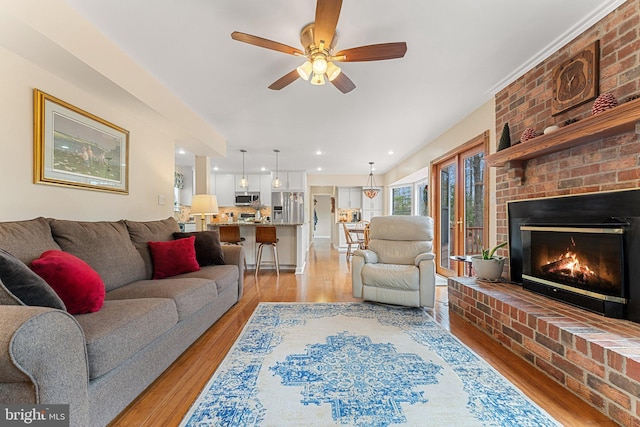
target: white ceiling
460 52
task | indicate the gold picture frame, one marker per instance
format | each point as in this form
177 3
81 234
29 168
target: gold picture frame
75 148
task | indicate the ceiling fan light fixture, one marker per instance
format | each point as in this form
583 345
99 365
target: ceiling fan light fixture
318 79
333 71
304 71
319 64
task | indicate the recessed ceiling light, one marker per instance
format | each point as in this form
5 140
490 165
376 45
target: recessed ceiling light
263 169
390 152
181 151
215 168
319 169
318 152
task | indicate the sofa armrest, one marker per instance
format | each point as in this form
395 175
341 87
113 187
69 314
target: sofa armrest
425 256
44 349
358 260
234 255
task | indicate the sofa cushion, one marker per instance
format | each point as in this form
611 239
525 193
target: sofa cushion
224 275
150 231
26 240
105 246
174 257
122 328
188 294
208 248
391 276
26 285
77 284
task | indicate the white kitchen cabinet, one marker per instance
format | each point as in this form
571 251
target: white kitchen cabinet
349 197
374 204
291 180
265 189
224 189
254 182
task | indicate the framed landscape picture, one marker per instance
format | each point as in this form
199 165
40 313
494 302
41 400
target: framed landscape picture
75 148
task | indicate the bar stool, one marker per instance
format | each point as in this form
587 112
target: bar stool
266 235
230 235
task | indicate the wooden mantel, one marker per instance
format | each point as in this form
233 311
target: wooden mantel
621 119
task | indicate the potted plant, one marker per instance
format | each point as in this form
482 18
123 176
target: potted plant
488 265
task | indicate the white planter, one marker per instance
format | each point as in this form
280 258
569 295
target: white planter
488 269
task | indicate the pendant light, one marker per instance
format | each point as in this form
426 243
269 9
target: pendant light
276 182
244 182
368 190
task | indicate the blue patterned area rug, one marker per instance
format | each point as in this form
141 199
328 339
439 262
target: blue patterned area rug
359 364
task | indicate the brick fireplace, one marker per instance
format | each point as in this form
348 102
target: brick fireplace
595 357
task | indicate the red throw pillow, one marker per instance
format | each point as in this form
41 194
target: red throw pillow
173 257
78 285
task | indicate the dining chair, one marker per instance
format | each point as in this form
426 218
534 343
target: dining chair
350 240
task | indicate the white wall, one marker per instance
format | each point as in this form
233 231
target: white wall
482 119
151 155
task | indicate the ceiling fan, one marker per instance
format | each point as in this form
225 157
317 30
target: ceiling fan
318 39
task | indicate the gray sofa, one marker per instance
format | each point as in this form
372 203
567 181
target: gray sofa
99 362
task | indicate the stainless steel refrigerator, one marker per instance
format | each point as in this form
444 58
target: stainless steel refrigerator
287 207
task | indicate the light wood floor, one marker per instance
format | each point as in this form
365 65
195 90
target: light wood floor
327 279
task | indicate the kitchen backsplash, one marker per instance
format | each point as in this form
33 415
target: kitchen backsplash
184 214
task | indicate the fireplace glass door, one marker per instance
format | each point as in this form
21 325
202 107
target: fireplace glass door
584 260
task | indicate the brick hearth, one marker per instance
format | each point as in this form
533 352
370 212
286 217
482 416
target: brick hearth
594 357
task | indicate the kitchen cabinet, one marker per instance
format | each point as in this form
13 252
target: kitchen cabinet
349 197
265 189
374 204
254 182
223 186
291 180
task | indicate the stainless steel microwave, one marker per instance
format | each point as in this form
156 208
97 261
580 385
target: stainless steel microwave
245 199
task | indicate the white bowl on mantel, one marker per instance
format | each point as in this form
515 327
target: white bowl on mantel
488 269
550 129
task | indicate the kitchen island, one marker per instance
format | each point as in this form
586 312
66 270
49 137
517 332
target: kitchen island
293 244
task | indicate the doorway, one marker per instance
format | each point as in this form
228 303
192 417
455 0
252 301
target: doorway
322 212
460 205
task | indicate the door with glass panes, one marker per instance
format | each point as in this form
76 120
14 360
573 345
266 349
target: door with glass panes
460 206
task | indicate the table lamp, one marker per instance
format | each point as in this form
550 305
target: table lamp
204 204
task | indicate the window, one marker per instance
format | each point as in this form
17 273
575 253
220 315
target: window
401 201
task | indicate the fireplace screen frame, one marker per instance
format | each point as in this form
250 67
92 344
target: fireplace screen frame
610 302
615 230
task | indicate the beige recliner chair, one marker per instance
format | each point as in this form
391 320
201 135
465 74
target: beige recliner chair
398 267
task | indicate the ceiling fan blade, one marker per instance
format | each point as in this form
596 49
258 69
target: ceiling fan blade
372 52
266 43
343 83
327 14
285 80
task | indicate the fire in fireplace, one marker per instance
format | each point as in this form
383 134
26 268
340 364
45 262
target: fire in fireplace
582 264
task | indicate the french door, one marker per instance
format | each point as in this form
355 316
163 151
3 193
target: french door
460 205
